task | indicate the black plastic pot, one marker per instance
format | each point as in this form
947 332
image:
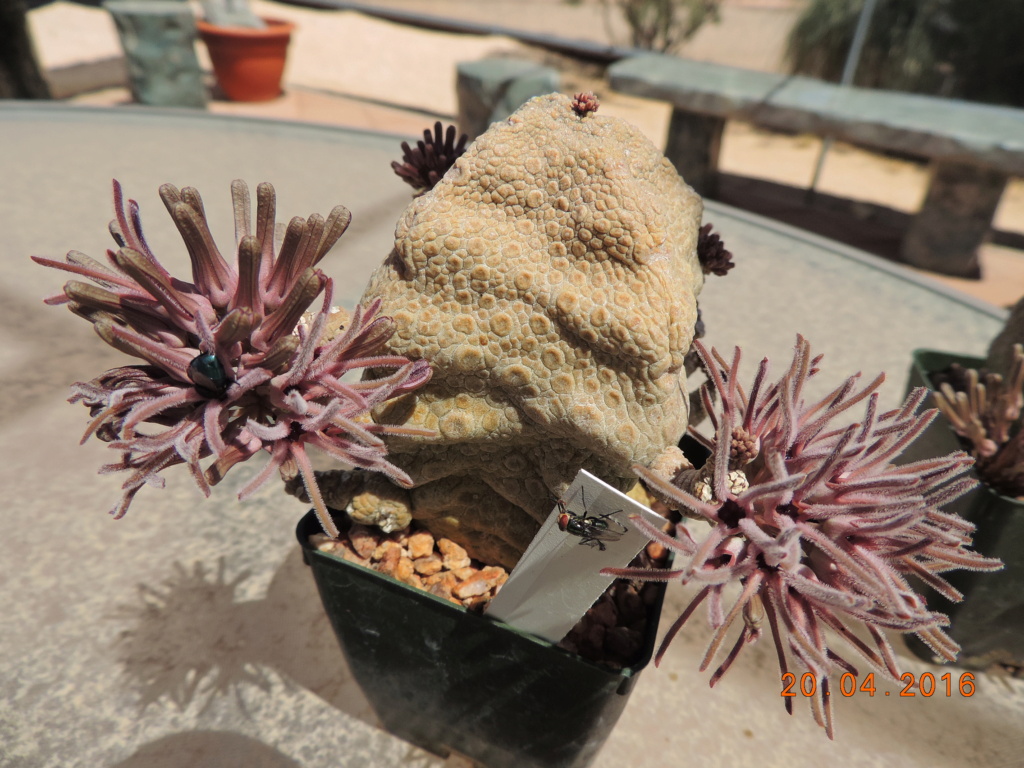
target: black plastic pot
989 623
449 680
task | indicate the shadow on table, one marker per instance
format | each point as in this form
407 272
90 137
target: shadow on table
224 749
191 639
32 4
207 749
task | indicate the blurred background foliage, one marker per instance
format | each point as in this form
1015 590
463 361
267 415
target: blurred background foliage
966 49
662 25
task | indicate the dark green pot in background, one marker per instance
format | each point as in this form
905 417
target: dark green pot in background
449 680
989 623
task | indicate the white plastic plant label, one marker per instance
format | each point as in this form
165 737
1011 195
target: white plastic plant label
559 576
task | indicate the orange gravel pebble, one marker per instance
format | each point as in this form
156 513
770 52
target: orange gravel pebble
440 567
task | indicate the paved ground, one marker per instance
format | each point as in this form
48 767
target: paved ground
382 83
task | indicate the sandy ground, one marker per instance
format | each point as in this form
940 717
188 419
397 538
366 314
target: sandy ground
382 83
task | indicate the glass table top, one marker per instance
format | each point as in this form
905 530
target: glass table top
109 624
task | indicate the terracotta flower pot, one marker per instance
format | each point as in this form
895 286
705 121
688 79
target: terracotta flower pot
248 63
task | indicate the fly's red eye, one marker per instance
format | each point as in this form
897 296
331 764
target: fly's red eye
563 521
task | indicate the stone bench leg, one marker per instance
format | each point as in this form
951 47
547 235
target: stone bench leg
693 145
955 218
492 89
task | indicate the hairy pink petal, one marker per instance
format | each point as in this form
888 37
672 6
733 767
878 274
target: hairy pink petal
266 384
828 528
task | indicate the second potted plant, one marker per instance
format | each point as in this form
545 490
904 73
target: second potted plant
981 402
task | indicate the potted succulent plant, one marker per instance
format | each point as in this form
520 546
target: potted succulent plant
237 365
488 381
981 401
248 52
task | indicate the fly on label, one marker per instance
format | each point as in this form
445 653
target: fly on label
593 530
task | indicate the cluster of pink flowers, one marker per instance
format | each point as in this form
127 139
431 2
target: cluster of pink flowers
231 367
815 523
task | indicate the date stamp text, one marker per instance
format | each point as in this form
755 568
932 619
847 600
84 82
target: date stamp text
926 685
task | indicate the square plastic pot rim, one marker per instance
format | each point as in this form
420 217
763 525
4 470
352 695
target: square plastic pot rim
309 525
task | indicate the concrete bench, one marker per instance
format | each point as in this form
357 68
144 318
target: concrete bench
973 148
492 89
